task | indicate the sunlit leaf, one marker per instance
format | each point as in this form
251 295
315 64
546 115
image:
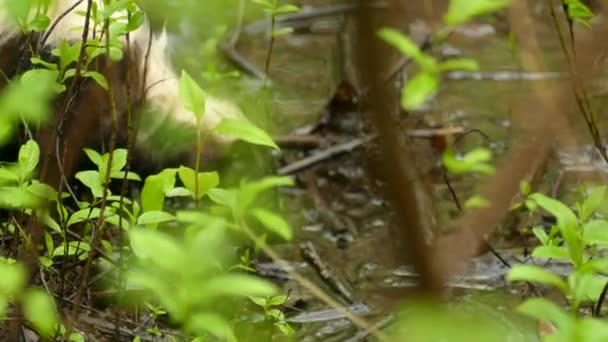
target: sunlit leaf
536 274
39 309
461 11
246 131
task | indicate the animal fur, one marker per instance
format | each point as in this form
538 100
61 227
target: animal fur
144 82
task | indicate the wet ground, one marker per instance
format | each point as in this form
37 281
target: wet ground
344 226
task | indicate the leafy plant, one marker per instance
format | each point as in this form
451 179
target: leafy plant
273 9
426 82
576 238
272 312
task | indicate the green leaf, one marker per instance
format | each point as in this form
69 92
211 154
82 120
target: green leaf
407 47
537 275
83 215
39 309
419 89
277 300
99 78
465 64
223 197
544 309
541 235
95 157
92 180
551 252
192 96
567 223
474 161
154 189
136 21
246 131
39 23
461 11
158 248
206 180
12 278
524 187
477 201
238 285
259 301
273 223
154 217
592 202
285 9
29 155
212 323
596 232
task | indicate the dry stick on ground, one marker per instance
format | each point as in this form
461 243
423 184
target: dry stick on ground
526 159
406 191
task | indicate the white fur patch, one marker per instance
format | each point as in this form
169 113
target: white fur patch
162 82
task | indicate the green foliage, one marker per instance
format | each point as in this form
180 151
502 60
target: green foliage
578 12
461 11
272 312
38 306
475 161
577 238
187 287
426 82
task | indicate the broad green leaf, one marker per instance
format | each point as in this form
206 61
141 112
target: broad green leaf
95 157
238 285
154 189
536 274
419 89
277 300
158 248
259 301
216 325
596 232
12 278
544 309
39 309
246 131
223 197
83 215
592 202
92 180
29 155
461 11
540 234
551 252
474 161
154 217
39 23
273 223
192 96
206 180
285 9
407 47
99 78
567 223
465 64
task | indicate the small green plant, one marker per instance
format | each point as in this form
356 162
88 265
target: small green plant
426 82
578 12
273 9
273 313
577 237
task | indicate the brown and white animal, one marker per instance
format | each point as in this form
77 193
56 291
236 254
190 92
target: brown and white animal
143 84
